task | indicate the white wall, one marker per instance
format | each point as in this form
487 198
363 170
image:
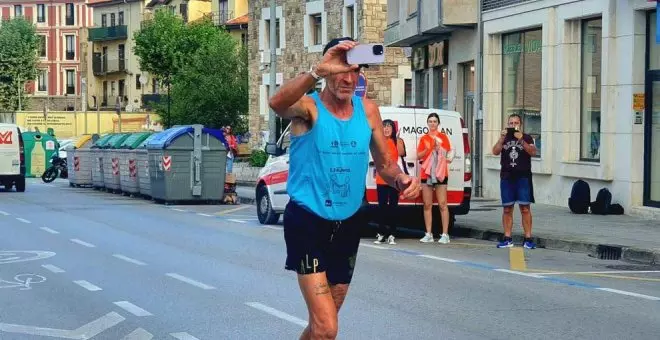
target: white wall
463 47
622 72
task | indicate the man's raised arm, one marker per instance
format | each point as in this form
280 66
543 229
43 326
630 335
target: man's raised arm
290 101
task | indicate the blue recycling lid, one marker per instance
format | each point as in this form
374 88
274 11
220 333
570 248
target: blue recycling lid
165 138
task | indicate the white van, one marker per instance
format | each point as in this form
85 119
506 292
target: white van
12 157
272 198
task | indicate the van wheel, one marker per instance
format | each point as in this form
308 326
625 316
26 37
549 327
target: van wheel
20 185
265 211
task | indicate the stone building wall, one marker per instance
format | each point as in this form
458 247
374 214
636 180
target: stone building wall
371 23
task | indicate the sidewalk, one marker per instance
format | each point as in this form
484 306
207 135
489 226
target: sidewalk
613 237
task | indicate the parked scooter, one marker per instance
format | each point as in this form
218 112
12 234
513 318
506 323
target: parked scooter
57 169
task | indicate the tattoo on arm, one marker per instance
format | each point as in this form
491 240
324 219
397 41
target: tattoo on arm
321 289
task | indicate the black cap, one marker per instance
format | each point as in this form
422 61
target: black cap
334 42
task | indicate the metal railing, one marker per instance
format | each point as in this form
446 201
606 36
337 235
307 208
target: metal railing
108 33
221 17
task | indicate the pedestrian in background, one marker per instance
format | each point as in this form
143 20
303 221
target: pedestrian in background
516 149
435 153
233 148
388 197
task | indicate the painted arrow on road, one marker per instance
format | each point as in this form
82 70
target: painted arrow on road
84 332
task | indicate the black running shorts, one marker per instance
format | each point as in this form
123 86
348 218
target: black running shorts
316 245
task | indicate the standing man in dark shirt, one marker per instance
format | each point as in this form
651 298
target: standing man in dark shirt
516 149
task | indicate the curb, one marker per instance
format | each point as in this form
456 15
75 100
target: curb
596 250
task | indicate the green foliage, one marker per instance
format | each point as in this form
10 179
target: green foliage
19 45
207 71
258 158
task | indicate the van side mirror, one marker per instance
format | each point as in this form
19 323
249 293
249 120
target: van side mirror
273 149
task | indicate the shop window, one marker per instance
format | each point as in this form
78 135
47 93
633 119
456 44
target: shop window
590 113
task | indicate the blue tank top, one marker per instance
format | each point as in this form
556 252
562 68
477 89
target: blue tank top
328 164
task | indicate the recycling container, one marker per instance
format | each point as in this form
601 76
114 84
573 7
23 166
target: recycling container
39 148
78 161
144 179
187 163
96 157
110 153
128 180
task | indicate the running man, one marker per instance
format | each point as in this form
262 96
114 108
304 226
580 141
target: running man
332 133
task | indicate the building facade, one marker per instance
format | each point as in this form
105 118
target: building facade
233 15
116 78
61 26
303 29
585 77
444 40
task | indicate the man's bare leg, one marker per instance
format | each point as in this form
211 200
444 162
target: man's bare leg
323 303
526 213
507 220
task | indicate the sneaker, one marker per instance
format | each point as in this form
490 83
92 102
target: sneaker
427 238
390 240
379 239
529 244
444 239
507 242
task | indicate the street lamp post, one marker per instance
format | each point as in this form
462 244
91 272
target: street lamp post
273 72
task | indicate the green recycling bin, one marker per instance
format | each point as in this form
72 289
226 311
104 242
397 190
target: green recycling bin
39 148
128 173
111 161
97 160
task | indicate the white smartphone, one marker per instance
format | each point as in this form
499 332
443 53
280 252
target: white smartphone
366 54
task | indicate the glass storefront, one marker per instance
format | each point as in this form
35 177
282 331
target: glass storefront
521 80
652 118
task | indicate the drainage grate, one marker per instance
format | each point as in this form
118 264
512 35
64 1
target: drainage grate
609 252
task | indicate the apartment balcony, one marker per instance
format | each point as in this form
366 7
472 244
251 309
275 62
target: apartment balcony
221 17
107 66
108 33
429 21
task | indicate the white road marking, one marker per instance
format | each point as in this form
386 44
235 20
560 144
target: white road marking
538 276
276 313
87 331
623 292
52 268
4 213
205 215
139 334
272 227
46 229
604 272
82 243
189 281
444 259
237 221
179 210
23 220
183 336
128 259
87 285
372 246
131 308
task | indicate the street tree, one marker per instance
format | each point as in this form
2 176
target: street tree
19 44
202 67
212 87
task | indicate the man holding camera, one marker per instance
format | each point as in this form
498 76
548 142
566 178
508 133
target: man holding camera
332 134
516 149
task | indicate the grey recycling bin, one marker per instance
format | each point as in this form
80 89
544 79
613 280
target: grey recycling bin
144 180
96 160
111 161
187 163
79 163
128 180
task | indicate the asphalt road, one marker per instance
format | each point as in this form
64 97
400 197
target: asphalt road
82 264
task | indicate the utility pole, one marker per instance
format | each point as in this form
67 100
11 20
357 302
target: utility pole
479 131
272 138
18 91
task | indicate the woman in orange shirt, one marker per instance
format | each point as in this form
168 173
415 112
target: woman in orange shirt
388 197
435 153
